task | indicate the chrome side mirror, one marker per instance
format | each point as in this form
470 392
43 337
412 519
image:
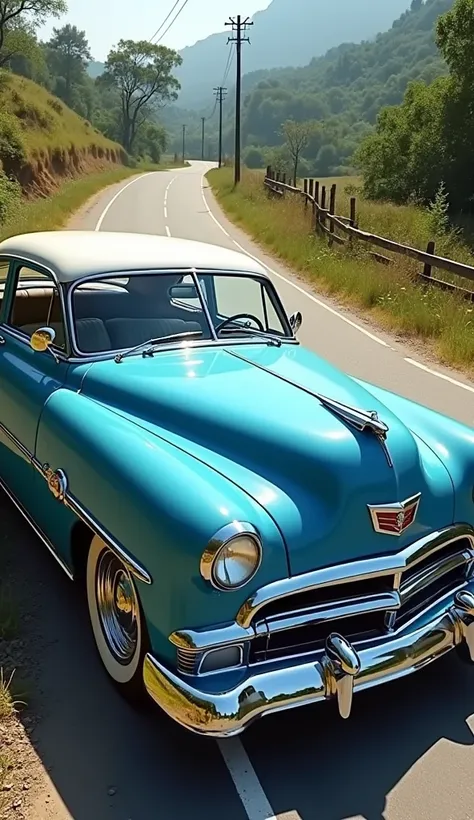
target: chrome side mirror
42 338
296 320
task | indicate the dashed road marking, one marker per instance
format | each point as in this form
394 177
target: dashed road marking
119 193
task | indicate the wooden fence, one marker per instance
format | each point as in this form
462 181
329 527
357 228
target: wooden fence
326 221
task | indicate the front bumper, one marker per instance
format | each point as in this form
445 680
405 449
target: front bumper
335 673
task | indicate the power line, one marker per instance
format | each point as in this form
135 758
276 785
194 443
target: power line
165 20
239 27
173 20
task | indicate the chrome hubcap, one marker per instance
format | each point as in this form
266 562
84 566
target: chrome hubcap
117 606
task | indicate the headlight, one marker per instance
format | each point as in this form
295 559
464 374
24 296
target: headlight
232 557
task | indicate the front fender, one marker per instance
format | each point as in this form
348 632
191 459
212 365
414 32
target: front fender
160 504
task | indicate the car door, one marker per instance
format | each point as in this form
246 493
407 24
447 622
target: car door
27 377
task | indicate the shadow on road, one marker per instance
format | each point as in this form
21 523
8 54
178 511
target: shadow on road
406 752
88 738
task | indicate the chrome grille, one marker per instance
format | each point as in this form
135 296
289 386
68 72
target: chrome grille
187 660
361 609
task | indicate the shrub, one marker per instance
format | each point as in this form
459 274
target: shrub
12 147
10 194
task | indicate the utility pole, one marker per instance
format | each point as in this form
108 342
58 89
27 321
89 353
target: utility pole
239 27
220 93
203 120
184 142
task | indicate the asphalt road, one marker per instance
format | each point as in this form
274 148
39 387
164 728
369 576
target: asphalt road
407 751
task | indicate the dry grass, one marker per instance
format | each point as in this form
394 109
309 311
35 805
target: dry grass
442 320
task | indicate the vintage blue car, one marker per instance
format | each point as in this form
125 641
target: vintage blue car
255 529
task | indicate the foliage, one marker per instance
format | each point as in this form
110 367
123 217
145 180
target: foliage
142 74
32 12
68 57
296 136
10 194
12 146
427 140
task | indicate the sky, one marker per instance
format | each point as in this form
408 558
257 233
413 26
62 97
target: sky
107 21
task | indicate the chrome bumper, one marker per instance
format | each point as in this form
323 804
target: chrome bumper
338 672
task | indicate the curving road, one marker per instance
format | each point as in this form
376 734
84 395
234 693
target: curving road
407 751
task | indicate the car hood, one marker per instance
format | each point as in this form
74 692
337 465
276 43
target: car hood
250 412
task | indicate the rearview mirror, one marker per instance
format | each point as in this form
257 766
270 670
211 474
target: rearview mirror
183 292
42 338
296 320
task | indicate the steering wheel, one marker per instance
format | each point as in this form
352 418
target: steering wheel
241 316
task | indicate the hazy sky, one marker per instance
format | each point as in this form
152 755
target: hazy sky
107 21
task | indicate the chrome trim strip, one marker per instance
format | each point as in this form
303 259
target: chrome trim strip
137 569
328 612
219 540
354 570
218 713
432 573
21 509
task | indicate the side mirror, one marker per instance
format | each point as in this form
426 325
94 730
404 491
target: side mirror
296 320
42 338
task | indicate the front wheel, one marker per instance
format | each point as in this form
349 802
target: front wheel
116 618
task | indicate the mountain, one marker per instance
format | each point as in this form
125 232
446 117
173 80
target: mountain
343 91
287 33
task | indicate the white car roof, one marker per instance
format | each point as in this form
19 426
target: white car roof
71 255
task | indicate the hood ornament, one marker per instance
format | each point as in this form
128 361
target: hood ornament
362 420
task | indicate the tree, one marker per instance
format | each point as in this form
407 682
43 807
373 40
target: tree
454 38
296 136
70 55
15 13
142 73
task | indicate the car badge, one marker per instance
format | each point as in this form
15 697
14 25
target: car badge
394 519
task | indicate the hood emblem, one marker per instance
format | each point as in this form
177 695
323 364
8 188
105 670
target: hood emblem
394 519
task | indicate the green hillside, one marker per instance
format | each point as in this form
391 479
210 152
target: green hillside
43 142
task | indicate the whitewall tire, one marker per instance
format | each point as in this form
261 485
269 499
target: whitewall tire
116 619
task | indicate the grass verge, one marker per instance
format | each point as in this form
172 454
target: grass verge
53 212
389 295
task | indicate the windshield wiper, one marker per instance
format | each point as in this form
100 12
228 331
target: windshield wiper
270 338
150 344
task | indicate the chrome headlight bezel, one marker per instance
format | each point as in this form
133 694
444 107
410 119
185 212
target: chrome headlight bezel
216 546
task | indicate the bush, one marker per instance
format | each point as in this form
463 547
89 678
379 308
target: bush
12 147
10 195
254 158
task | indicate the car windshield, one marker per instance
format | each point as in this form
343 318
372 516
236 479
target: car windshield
121 312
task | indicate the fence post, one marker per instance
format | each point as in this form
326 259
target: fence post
353 212
322 202
305 189
332 210
277 178
429 249
316 190
269 171
283 178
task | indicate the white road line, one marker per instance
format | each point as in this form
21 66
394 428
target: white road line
119 193
168 232
294 285
208 210
441 375
339 315
166 212
246 782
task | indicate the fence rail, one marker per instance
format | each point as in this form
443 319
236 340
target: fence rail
326 221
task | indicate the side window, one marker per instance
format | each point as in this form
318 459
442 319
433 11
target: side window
239 294
4 265
36 304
